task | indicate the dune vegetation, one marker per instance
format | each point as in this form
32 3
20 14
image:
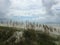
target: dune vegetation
8 36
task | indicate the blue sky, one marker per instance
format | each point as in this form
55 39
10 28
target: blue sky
31 10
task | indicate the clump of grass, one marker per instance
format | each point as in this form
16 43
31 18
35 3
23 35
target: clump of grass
30 37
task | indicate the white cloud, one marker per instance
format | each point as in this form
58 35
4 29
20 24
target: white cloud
4 6
25 4
34 8
45 10
26 8
26 12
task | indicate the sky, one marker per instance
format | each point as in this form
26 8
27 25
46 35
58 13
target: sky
44 11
